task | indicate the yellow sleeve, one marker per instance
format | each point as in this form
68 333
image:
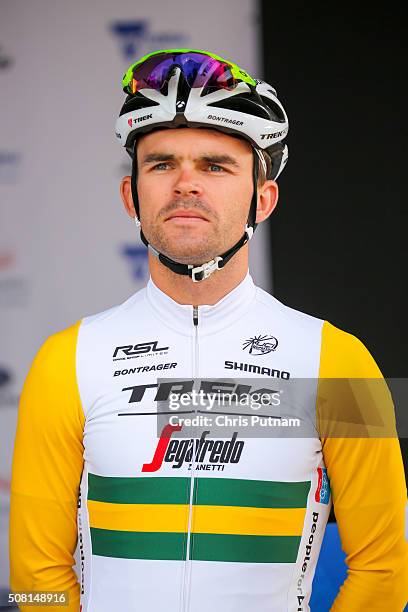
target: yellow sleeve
367 479
46 473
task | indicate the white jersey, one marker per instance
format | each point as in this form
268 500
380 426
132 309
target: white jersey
197 515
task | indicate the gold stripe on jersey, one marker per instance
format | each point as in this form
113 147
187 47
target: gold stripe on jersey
206 519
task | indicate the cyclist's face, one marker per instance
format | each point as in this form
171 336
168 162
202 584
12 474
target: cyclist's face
195 188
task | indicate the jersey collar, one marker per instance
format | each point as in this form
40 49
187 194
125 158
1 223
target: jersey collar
211 319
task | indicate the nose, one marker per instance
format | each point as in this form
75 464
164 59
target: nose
187 184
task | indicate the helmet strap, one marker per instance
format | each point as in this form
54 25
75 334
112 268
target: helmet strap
200 272
133 182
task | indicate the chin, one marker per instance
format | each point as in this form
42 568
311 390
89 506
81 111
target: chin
186 248
188 256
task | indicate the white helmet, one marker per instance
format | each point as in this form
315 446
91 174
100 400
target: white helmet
193 88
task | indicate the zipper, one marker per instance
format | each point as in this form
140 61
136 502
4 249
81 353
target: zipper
195 321
185 602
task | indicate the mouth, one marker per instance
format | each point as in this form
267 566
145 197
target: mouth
185 215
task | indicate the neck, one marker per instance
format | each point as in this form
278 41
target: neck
209 291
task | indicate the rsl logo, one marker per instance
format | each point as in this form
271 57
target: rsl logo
260 345
143 349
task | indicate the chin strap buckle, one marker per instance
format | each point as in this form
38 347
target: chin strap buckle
249 231
199 273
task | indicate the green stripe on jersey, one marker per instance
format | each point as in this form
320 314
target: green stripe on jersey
251 493
203 547
244 548
139 545
207 491
139 490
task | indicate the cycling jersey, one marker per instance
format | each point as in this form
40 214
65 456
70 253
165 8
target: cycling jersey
229 523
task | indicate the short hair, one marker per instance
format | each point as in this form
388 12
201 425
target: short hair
262 175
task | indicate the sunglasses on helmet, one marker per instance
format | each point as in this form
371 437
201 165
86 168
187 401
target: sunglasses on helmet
198 69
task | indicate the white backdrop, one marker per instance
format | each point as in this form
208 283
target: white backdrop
67 248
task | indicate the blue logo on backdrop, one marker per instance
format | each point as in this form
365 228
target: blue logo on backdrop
5 59
136 39
137 257
10 163
8 395
5 376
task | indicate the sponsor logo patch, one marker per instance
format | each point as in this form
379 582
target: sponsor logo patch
306 559
132 351
208 455
322 494
143 369
260 345
225 120
256 369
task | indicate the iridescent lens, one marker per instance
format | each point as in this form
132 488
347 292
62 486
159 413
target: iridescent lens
197 68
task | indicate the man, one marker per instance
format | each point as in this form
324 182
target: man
173 521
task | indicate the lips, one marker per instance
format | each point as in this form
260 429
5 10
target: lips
186 214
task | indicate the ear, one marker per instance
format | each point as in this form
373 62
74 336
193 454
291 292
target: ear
268 194
126 195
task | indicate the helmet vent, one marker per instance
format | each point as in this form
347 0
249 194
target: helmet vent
276 111
243 103
136 102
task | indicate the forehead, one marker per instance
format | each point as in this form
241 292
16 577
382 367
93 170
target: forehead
192 142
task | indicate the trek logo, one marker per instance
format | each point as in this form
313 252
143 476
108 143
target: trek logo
260 345
322 494
209 455
164 390
131 351
134 120
280 134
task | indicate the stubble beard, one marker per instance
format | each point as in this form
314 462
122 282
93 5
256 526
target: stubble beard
189 247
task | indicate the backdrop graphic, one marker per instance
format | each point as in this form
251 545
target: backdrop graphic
67 249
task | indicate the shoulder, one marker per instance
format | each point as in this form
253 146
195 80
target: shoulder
118 311
57 353
345 355
50 401
341 353
291 315
57 356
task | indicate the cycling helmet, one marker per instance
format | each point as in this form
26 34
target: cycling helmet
193 88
